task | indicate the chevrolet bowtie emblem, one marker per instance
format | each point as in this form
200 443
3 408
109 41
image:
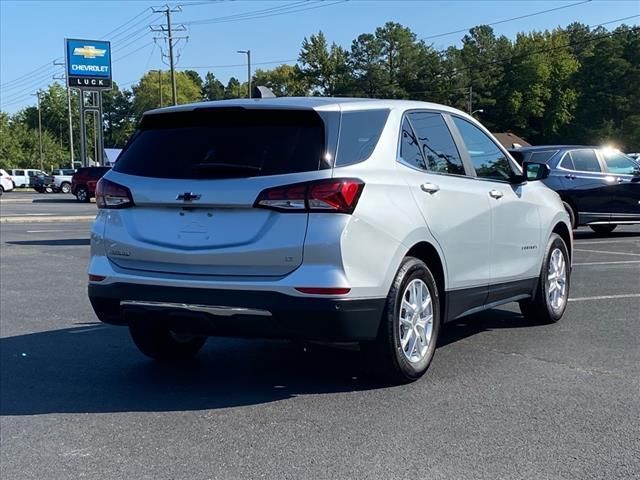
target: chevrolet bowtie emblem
188 196
89 51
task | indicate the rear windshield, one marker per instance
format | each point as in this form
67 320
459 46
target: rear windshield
542 157
225 143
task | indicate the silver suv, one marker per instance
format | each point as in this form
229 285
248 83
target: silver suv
370 221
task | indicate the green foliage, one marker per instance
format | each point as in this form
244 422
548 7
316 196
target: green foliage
284 81
212 88
155 84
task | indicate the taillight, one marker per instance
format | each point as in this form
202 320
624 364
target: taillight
337 195
111 195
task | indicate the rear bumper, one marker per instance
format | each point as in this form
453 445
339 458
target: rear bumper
238 313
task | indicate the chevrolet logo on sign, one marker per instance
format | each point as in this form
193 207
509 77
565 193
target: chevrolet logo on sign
89 51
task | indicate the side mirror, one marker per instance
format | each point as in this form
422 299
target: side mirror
532 171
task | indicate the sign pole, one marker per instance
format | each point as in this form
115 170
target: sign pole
83 131
99 126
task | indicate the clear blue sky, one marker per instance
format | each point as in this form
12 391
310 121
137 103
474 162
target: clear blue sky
32 32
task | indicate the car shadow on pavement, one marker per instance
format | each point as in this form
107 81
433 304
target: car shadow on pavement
94 368
60 242
69 199
485 321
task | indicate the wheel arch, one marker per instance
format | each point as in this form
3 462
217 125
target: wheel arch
428 253
561 229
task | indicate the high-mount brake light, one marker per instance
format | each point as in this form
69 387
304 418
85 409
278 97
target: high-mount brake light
112 195
334 195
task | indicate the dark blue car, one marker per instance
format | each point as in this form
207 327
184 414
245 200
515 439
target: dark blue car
600 187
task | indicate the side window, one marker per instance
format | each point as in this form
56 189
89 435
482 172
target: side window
19 173
585 160
487 158
409 147
567 163
619 164
359 135
542 157
437 144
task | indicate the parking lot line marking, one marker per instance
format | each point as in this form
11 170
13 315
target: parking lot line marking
605 297
44 231
608 253
622 262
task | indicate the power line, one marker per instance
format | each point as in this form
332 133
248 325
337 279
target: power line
126 23
254 16
249 13
464 30
271 62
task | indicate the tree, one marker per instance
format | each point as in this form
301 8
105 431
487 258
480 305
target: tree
195 76
119 118
284 81
324 68
235 89
147 92
212 88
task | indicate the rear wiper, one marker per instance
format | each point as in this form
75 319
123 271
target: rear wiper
225 167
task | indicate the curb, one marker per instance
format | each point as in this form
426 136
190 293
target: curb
48 219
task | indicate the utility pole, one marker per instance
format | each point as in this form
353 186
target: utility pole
248 53
37 94
168 30
64 77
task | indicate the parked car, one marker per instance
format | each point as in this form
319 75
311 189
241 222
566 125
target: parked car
372 221
22 176
43 183
62 179
600 187
6 182
83 182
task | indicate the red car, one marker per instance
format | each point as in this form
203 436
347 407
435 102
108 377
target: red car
83 182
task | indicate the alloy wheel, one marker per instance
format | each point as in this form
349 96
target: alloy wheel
557 280
415 320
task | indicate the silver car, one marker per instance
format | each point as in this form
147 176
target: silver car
370 221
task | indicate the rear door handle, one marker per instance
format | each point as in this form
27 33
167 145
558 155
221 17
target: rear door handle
620 180
496 193
430 187
570 177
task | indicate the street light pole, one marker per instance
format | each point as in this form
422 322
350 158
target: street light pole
480 110
248 53
40 129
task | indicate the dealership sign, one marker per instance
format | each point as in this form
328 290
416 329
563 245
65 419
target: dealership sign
88 64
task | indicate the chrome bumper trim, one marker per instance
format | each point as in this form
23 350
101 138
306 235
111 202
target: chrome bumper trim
220 311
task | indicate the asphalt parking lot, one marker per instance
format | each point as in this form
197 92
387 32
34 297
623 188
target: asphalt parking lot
503 399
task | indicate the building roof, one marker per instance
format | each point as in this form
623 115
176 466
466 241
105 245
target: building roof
511 140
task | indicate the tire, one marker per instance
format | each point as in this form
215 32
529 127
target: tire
82 195
573 217
544 309
162 344
391 360
603 229
65 187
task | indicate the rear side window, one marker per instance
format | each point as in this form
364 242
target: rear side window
567 162
19 172
359 135
585 160
437 145
542 157
98 172
619 164
225 143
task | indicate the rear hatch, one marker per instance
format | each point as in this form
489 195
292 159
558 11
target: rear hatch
194 177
